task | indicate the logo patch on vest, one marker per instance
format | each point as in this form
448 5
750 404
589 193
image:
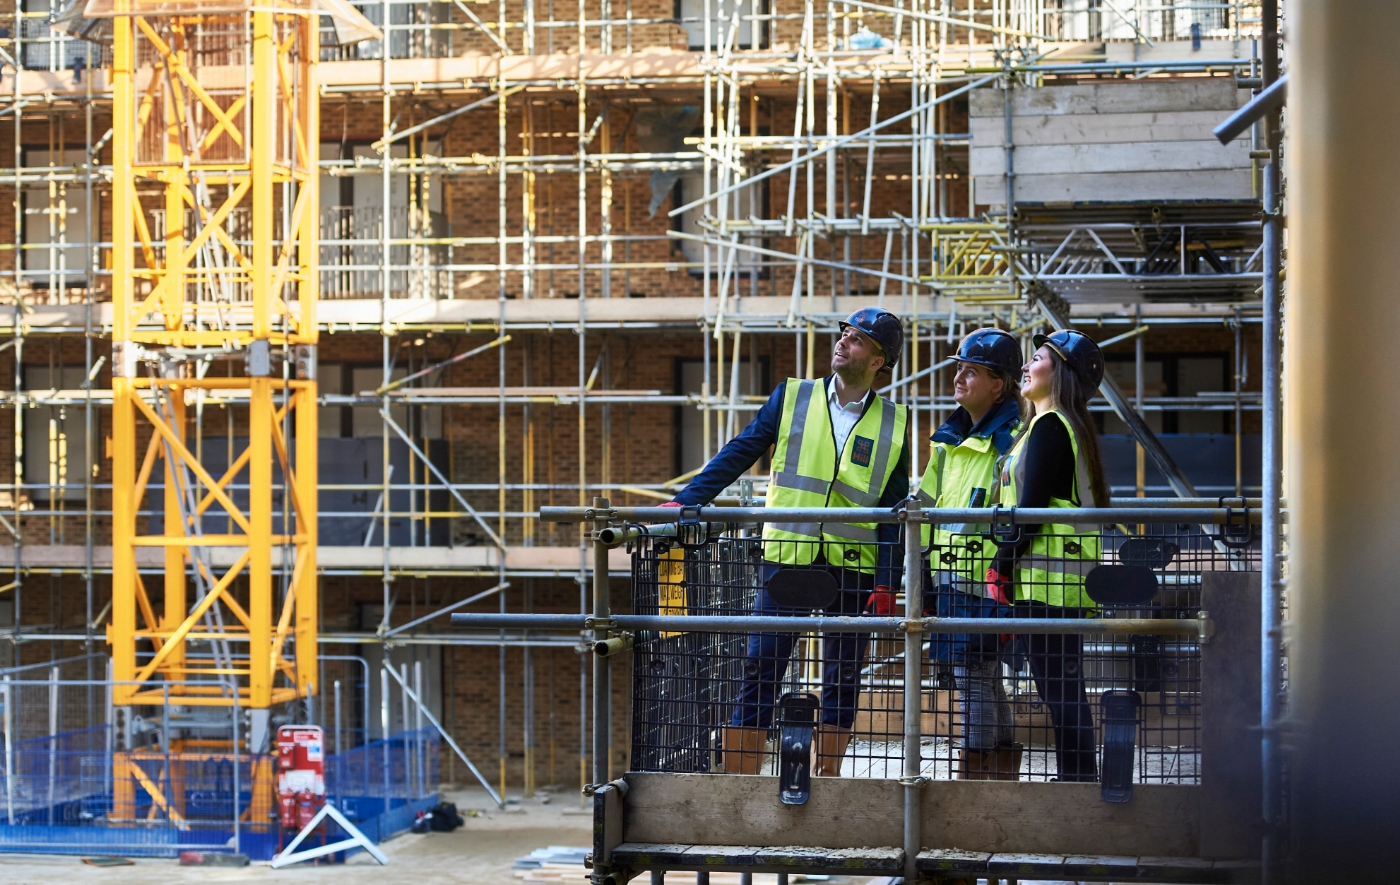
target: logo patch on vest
860 451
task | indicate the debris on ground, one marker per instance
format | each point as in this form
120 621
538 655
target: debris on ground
557 863
563 864
212 859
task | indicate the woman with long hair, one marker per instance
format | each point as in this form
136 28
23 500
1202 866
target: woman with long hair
1056 463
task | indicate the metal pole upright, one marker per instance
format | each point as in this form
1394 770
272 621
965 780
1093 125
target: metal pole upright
384 714
1272 470
88 272
337 718
53 738
602 682
237 777
913 779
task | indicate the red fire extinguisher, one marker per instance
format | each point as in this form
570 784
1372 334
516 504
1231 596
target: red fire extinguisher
287 808
306 808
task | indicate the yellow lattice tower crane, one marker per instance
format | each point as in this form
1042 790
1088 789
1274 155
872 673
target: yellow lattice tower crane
214 287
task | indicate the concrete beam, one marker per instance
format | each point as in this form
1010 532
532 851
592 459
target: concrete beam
363 315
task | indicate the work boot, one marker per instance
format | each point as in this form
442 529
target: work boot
741 746
829 743
1000 764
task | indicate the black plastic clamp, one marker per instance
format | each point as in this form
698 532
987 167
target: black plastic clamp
797 718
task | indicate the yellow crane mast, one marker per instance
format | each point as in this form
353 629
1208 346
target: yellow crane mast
214 288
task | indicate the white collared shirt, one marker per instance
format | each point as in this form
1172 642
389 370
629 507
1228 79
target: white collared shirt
843 418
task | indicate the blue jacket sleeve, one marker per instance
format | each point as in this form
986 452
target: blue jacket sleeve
890 564
738 455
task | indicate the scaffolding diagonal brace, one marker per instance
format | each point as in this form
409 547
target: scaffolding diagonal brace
1131 417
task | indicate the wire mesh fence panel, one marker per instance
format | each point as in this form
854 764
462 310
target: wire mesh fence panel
152 780
707 701
385 774
994 706
683 682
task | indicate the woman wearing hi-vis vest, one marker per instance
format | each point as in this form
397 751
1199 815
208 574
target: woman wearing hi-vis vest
962 472
1056 463
836 443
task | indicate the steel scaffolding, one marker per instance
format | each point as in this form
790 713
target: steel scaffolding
864 195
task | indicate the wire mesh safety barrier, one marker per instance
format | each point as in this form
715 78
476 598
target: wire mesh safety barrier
1041 650
998 705
154 781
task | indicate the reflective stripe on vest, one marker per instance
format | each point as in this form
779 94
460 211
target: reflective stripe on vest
807 472
1062 555
952 474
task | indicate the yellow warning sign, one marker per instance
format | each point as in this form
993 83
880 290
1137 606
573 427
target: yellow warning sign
670 585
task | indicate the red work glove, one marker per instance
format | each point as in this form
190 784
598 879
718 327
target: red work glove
671 504
999 587
881 602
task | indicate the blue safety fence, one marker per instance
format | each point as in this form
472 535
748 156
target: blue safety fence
70 793
380 776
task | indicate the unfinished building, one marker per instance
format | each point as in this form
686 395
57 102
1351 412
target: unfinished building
542 253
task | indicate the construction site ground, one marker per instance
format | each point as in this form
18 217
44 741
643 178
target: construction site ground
482 852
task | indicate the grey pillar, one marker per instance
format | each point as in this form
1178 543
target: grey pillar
1343 480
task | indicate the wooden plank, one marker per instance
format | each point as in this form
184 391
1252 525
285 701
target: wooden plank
1248 871
1118 187
1170 50
1231 767
1141 156
1025 865
1037 817
703 856
749 858
1115 97
645 855
708 809
1042 129
1112 866
952 860
1176 869
864 861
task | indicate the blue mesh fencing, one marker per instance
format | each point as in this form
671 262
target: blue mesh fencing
70 793
382 775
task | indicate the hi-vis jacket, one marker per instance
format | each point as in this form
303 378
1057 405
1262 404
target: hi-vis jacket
1061 556
809 472
765 431
962 472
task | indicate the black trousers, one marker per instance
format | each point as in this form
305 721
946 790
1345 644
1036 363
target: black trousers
1057 665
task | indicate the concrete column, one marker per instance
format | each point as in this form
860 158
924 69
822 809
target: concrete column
1342 421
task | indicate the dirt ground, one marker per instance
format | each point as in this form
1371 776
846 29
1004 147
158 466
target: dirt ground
480 853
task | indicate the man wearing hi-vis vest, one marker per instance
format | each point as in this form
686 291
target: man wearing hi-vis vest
836 443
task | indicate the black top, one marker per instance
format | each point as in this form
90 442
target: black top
1049 473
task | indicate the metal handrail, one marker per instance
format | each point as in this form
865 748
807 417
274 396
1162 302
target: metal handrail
1207 515
823 624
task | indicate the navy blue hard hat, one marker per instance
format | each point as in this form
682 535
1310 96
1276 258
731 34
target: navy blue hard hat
993 348
1079 350
882 327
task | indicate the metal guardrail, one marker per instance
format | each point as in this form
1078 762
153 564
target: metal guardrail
715 546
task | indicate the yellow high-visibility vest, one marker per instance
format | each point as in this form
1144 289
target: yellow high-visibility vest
953 472
807 472
1053 569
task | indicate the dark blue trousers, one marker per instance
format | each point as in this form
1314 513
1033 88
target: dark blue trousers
766 663
952 598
